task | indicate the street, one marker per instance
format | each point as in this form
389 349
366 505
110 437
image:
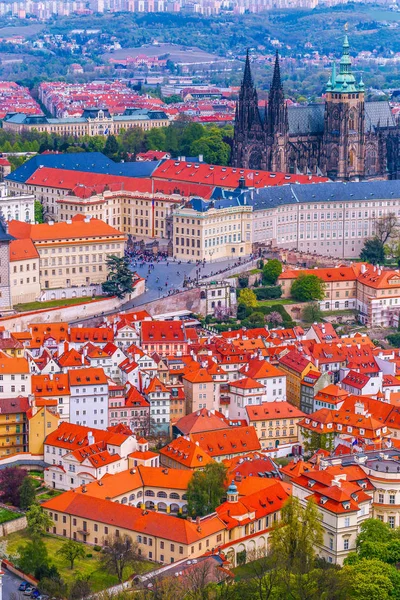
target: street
10 586
164 279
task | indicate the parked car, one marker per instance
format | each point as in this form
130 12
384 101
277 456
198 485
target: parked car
35 593
28 590
23 586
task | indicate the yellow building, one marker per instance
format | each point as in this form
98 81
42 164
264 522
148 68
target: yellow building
24 272
13 426
43 419
72 253
296 367
160 537
212 230
141 214
276 423
92 122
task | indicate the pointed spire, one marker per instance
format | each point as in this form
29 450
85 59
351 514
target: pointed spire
247 78
276 78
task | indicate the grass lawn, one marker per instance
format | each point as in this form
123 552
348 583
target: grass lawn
333 313
47 494
52 303
277 301
7 515
99 578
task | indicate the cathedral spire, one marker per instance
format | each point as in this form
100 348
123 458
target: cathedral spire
276 78
277 120
345 80
247 78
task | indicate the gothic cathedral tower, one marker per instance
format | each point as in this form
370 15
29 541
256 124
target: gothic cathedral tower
248 150
277 125
344 135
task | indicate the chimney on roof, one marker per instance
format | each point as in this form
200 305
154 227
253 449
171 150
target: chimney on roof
363 268
90 438
359 408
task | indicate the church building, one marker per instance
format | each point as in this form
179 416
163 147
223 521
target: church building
343 138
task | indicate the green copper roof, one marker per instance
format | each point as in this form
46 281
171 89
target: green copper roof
344 81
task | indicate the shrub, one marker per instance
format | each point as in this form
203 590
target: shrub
89 555
269 292
97 548
243 282
394 339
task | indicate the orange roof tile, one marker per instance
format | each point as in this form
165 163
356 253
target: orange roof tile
134 519
22 250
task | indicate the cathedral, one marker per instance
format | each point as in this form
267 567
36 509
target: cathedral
345 138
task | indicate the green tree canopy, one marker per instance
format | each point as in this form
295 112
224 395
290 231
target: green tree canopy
111 147
32 556
38 207
119 279
206 489
373 251
271 271
38 520
312 313
372 579
27 493
72 550
248 298
307 287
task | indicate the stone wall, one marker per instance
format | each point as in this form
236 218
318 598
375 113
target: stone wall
12 526
68 314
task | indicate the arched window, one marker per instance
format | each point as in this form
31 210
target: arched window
124 500
162 495
131 497
139 494
149 493
351 158
352 123
174 495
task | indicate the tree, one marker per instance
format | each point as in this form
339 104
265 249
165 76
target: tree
271 271
132 140
80 588
38 520
307 287
212 147
295 538
274 318
72 550
312 313
385 227
118 554
248 298
156 139
392 250
373 251
27 493
32 556
372 579
38 212
74 149
205 489
11 479
119 279
111 147
374 530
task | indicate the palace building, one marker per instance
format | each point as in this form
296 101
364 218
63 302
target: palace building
343 138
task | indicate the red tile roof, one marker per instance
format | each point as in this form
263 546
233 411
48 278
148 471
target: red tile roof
227 177
134 519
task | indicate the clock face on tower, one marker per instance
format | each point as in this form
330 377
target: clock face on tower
335 115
